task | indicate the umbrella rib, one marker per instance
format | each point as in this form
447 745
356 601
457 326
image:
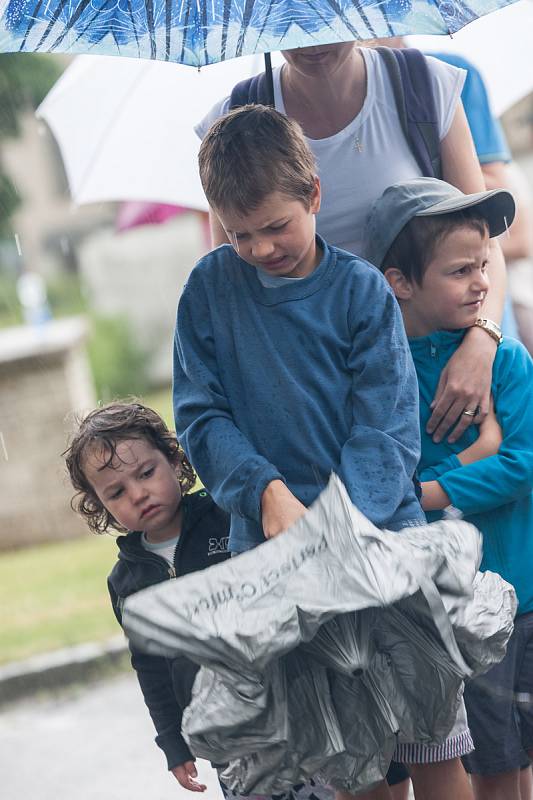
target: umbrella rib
150 25
72 22
225 22
30 25
385 16
185 29
246 16
204 32
134 26
52 22
319 14
265 20
360 10
168 28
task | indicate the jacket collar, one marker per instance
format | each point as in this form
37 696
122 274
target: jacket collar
194 508
443 341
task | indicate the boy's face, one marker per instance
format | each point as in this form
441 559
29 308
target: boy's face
453 288
278 237
140 488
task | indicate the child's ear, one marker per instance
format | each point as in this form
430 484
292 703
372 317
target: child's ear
316 195
398 283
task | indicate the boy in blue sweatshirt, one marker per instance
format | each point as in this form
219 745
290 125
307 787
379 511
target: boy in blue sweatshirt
431 241
291 359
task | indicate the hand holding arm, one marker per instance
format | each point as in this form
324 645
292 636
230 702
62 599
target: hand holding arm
464 385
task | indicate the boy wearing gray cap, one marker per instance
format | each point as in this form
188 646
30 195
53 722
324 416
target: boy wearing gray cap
431 242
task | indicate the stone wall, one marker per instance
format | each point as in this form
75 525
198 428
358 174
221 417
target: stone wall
44 381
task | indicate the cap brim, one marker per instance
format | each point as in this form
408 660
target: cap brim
497 207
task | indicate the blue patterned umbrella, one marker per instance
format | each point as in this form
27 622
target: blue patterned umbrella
199 32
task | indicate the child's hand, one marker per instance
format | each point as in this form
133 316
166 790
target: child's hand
280 509
185 774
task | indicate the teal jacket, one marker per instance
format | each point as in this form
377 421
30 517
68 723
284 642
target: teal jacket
494 494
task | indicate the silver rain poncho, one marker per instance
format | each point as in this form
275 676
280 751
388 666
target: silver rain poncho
320 647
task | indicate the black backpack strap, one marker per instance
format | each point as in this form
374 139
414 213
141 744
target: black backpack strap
413 93
252 90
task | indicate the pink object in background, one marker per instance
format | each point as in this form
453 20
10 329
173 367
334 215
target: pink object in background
133 214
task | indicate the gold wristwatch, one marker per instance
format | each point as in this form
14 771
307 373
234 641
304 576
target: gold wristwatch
491 328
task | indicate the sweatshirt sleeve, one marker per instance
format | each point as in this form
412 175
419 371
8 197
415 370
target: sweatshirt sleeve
379 459
155 681
230 468
508 475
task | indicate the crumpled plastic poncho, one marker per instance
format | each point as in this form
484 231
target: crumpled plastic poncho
322 647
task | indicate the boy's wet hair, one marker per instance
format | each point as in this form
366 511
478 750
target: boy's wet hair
250 153
103 428
414 247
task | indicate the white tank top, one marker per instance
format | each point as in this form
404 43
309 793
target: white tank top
358 163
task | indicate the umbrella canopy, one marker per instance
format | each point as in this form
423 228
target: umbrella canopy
200 32
501 46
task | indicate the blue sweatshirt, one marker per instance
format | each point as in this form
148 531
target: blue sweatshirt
294 382
495 494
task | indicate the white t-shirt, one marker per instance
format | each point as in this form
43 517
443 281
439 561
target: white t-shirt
166 549
358 163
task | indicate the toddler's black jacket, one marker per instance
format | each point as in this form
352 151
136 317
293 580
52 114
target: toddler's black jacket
166 683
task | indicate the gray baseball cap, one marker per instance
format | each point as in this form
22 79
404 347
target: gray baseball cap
427 197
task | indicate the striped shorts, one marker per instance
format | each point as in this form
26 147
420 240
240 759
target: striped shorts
457 744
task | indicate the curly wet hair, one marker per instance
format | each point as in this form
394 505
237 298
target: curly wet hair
105 427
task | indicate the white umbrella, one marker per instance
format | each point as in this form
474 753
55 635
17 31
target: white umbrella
500 45
125 126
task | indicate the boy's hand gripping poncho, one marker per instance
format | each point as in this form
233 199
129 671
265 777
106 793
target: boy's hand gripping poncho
323 645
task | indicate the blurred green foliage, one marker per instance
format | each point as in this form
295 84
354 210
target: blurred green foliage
25 80
9 202
65 296
118 365
10 310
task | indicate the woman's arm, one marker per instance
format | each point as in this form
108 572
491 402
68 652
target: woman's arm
465 383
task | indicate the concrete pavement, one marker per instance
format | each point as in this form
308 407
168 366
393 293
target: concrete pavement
91 743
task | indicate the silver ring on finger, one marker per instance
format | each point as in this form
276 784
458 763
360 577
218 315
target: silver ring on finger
473 413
